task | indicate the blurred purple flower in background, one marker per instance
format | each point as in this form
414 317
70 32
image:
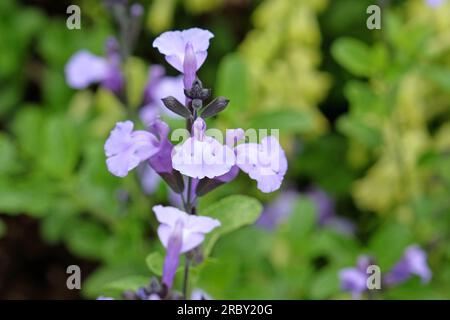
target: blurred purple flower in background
158 87
179 233
85 68
278 210
282 207
413 262
354 280
325 208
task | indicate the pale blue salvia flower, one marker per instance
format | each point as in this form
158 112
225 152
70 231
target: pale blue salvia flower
202 156
180 232
175 44
126 149
233 136
354 280
104 298
264 162
413 262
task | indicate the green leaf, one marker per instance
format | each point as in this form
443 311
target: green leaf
363 100
105 275
233 82
56 93
440 76
287 121
325 284
354 55
8 161
301 223
128 283
61 146
233 213
31 196
87 239
27 127
155 262
358 130
389 242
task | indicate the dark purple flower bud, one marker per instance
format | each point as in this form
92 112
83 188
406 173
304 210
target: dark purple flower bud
278 211
197 91
325 208
324 204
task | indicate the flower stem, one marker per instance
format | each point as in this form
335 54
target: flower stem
186 276
187 208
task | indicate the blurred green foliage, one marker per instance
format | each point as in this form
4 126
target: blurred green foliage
380 146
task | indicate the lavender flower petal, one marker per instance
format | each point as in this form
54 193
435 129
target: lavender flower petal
84 69
126 148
